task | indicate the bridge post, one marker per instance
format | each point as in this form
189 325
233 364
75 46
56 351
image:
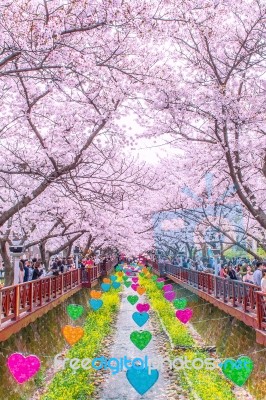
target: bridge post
31 295
259 300
17 301
162 269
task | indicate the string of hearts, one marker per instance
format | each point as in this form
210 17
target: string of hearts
141 379
23 368
238 371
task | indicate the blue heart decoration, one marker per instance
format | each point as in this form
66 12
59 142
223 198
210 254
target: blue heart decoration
116 285
95 304
140 318
142 379
106 286
113 278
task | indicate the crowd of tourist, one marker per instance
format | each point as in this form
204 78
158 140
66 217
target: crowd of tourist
237 269
34 269
30 270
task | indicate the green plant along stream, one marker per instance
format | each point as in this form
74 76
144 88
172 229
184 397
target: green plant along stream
79 385
206 384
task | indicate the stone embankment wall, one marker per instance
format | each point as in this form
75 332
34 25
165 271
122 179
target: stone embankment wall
231 337
42 338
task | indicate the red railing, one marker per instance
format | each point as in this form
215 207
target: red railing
27 297
243 296
154 266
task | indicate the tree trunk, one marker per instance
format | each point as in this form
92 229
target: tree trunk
204 251
88 245
44 254
69 249
9 270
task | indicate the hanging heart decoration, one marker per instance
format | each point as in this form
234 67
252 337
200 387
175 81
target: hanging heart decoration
184 315
141 290
238 371
143 307
95 294
72 334
75 311
95 304
140 339
143 379
23 368
180 304
132 299
106 287
168 288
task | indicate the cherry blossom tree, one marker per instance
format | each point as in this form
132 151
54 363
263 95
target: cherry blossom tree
209 96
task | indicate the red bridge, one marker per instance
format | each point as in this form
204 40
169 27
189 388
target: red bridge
243 301
22 304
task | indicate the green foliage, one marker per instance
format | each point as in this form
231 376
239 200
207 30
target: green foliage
207 384
236 251
78 384
177 331
261 252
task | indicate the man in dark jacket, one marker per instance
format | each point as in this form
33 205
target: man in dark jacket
26 272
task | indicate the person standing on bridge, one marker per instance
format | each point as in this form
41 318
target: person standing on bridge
263 281
257 276
21 273
248 278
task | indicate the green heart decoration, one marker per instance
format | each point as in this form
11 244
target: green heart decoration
133 299
140 339
160 285
180 304
127 284
142 274
125 278
238 370
75 311
154 277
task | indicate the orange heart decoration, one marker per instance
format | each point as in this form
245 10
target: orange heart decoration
120 273
106 280
148 275
95 294
72 334
144 270
141 290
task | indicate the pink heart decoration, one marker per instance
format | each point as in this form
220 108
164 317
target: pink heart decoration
170 296
143 307
128 273
135 279
184 315
168 288
134 286
23 368
160 280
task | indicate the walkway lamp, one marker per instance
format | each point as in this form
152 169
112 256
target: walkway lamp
16 250
76 255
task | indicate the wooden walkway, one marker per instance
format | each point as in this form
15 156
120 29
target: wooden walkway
243 301
22 304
